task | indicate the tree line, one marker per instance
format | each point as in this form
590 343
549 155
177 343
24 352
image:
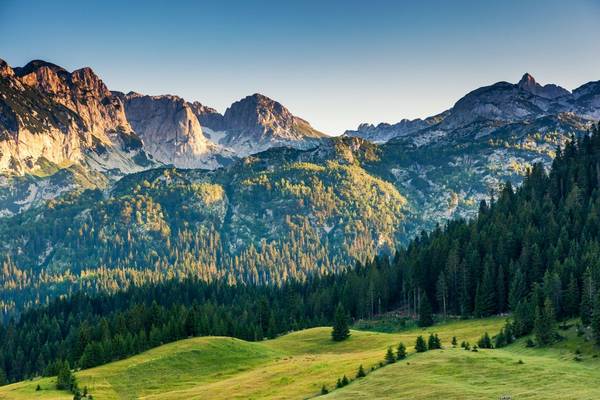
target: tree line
532 251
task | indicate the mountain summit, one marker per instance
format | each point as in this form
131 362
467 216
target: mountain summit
258 122
549 91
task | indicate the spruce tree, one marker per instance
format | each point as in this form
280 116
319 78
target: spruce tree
389 356
572 298
595 322
425 313
420 345
545 324
517 291
401 354
361 372
587 297
65 379
434 342
485 342
340 329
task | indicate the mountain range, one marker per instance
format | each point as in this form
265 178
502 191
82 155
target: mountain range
101 189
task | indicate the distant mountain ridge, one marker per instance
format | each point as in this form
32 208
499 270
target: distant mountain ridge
52 119
492 106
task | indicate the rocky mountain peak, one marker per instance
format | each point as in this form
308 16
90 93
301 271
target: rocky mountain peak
5 69
259 113
528 82
549 91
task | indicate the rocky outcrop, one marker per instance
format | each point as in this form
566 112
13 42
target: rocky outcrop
52 115
170 130
549 91
257 122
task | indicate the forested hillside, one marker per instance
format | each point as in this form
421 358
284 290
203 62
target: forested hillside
533 251
283 214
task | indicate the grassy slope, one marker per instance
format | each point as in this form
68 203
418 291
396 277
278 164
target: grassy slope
298 364
549 373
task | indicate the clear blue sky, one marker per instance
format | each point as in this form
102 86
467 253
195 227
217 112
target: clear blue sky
335 63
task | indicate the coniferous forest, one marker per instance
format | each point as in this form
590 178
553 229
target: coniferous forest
533 251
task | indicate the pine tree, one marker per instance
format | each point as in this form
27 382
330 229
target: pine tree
454 341
65 379
587 297
544 326
442 293
434 342
485 342
425 313
401 354
389 356
420 345
572 298
345 380
595 322
485 295
340 329
518 290
361 372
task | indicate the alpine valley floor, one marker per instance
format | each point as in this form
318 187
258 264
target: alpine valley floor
297 365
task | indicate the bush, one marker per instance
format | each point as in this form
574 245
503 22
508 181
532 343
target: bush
324 390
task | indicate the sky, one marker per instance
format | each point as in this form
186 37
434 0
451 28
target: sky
334 63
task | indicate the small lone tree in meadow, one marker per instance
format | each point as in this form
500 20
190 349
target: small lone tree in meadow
361 372
340 329
345 380
389 356
485 342
454 341
434 342
420 345
401 354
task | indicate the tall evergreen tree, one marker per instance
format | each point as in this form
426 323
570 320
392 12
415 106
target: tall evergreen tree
587 297
340 329
545 323
425 312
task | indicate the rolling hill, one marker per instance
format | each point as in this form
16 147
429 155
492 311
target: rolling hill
297 365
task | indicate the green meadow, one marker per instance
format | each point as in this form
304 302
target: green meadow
298 365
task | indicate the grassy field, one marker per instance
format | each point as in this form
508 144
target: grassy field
297 365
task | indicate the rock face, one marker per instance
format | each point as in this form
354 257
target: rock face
549 91
170 131
50 114
489 108
257 122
